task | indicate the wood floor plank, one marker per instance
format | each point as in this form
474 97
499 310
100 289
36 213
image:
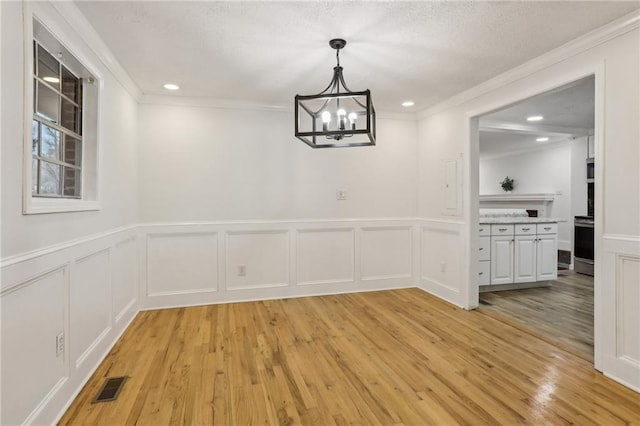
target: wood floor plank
561 314
391 357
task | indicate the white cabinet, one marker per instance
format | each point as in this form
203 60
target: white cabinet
525 259
502 259
547 254
517 253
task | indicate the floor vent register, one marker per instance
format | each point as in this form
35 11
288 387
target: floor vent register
110 389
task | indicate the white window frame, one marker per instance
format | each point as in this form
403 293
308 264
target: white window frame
66 35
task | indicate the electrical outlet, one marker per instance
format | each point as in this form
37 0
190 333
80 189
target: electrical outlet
341 195
60 344
242 270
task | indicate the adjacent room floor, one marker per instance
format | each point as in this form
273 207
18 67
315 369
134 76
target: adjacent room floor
390 357
561 314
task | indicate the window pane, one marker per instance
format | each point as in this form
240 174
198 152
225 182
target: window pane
34 137
50 142
48 103
70 116
70 85
48 68
71 182
72 150
49 178
34 176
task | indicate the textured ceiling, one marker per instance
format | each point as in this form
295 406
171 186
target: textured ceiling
267 52
568 112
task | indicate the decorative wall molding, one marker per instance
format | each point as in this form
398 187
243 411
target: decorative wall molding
442 258
581 44
66 289
291 259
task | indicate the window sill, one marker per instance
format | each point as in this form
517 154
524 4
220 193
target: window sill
49 205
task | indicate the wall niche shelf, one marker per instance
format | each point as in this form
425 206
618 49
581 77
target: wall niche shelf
540 202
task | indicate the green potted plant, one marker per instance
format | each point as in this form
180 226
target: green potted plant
507 184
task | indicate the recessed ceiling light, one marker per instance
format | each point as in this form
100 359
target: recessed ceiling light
542 139
408 104
535 118
52 79
171 86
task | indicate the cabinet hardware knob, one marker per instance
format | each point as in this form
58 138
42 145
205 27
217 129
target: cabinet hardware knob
525 229
480 273
546 228
481 248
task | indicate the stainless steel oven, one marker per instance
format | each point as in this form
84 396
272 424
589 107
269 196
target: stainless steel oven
583 258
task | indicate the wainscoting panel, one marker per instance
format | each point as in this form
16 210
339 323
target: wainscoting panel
90 304
325 256
257 259
33 314
628 321
124 276
58 320
442 249
620 294
182 263
386 253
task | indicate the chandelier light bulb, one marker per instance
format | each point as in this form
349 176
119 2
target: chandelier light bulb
326 119
342 119
352 120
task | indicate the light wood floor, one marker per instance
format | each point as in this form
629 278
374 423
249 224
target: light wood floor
392 357
561 314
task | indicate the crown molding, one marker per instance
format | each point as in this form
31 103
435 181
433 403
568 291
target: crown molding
76 20
574 47
211 102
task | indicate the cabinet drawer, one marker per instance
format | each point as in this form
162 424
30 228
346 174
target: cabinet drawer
485 248
547 228
525 229
484 273
501 229
484 230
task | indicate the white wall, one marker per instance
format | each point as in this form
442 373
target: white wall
118 180
211 164
540 171
445 131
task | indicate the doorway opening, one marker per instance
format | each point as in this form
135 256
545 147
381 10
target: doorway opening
536 208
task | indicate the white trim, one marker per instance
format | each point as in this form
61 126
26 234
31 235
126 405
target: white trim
23 257
76 20
588 41
41 205
597 69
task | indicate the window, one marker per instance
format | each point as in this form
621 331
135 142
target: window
61 144
56 128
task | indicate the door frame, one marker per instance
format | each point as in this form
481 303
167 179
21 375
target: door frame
471 203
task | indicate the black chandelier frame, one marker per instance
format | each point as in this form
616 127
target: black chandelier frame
336 90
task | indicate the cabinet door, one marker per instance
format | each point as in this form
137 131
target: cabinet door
525 259
547 264
502 260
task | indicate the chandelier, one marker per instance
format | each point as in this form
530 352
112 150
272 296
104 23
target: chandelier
336 117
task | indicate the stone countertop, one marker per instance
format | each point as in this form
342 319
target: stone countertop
511 220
